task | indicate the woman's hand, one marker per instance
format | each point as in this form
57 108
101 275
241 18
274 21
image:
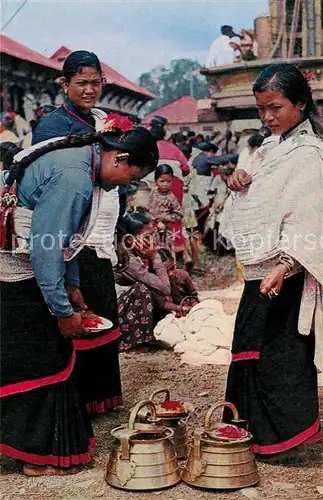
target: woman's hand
71 326
239 180
76 298
273 282
144 246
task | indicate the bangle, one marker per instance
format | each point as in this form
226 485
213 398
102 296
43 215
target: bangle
288 262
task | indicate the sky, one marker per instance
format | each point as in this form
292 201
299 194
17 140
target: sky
131 36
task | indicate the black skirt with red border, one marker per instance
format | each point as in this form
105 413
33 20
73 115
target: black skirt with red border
97 367
272 379
43 421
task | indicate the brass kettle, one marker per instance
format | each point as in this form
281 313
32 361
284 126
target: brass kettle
171 419
220 455
144 456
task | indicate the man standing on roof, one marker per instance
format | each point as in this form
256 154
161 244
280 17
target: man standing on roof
225 49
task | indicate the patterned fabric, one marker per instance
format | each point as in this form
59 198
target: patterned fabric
136 320
165 206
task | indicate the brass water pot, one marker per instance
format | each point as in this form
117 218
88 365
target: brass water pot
218 462
144 456
170 419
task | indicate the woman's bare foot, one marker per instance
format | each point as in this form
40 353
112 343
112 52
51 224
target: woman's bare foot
32 470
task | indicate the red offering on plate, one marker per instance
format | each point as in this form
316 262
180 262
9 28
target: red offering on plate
231 432
94 323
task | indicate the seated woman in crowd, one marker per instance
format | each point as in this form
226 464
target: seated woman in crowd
148 298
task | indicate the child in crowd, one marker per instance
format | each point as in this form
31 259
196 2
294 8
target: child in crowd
165 211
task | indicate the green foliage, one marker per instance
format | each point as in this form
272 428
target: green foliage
180 78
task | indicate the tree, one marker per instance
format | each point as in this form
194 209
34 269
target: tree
180 78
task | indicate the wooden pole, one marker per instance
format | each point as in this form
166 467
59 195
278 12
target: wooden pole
273 9
279 42
318 28
304 29
284 37
293 28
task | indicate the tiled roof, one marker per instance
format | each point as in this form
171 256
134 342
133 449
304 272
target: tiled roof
16 49
180 111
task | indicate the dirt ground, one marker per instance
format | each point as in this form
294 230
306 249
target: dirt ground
143 372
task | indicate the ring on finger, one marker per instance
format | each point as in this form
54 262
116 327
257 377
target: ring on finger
272 293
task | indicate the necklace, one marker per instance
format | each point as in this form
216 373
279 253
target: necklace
77 117
93 162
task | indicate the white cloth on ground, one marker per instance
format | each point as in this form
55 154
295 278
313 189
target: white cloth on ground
204 331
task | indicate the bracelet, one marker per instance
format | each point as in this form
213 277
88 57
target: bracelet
288 262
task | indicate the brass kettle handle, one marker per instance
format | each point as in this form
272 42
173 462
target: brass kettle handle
197 442
211 410
160 391
125 448
135 410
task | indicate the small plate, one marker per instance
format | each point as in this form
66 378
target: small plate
105 325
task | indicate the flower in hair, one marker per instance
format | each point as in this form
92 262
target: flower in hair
308 75
114 122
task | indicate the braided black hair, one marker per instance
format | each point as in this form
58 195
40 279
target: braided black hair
138 142
17 169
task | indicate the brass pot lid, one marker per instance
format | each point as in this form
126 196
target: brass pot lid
121 432
155 435
143 432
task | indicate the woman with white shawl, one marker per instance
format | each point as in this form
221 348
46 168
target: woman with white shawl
277 232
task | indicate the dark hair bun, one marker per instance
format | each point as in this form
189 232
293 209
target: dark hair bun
79 59
134 222
139 143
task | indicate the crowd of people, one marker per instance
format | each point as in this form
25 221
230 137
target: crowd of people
97 202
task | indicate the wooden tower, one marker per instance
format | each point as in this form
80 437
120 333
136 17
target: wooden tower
296 27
